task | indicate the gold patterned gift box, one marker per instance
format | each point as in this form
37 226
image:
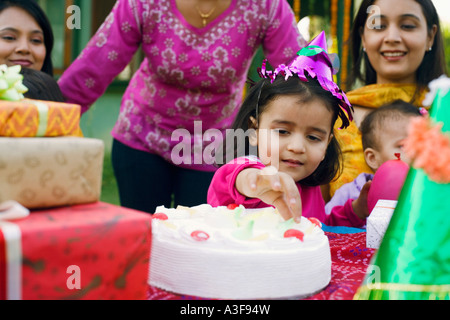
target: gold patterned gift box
35 118
51 172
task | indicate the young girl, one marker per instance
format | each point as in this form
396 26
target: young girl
293 117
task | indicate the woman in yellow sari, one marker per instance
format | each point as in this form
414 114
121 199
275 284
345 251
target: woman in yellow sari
397 50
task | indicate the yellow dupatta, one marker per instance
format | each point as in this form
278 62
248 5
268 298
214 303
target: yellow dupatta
371 96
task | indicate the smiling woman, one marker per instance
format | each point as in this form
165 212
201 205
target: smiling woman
397 50
26 37
397 40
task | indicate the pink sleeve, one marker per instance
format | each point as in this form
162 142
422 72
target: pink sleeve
105 56
344 216
222 190
282 39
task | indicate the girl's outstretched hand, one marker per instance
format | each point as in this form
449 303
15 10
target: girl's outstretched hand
272 187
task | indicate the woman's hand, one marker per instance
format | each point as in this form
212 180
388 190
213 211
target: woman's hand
272 187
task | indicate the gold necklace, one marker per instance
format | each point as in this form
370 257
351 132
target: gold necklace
205 16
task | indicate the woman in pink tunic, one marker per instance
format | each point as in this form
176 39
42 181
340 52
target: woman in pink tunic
197 55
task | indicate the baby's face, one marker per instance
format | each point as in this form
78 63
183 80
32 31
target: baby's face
390 140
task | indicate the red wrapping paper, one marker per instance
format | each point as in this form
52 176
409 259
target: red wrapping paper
2 268
109 247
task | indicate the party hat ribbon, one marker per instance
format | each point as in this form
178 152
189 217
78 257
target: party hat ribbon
314 61
11 87
310 51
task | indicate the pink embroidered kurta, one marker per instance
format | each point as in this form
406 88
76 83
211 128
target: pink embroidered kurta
223 192
191 79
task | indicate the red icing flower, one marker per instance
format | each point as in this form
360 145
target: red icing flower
293 233
160 216
316 222
232 206
200 236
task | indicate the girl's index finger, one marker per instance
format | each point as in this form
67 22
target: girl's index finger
295 204
283 208
271 175
292 196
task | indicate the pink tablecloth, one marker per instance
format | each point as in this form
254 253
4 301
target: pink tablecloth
350 258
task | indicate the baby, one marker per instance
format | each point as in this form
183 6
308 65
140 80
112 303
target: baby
382 132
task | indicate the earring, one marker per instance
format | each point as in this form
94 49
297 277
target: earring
430 49
364 49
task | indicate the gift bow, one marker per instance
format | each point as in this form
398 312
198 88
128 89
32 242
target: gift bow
12 210
11 86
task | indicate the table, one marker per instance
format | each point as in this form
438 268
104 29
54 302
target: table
350 259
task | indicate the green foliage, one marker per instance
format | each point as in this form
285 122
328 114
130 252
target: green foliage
110 193
446 36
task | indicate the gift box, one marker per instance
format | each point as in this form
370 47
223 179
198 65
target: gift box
378 222
35 118
86 252
51 172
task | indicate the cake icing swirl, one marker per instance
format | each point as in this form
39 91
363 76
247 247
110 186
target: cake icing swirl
239 228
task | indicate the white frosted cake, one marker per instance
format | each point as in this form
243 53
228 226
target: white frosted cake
225 253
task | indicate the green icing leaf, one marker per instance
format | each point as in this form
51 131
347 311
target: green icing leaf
238 214
245 232
286 225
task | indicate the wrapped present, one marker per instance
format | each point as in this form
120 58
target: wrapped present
86 252
51 172
378 222
35 118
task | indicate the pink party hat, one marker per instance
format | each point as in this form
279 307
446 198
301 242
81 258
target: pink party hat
310 56
314 62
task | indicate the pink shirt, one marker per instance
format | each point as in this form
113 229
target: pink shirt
188 74
223 192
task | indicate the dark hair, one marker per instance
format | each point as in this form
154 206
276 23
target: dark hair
432 66
41 86
374 120
33 9
260 95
